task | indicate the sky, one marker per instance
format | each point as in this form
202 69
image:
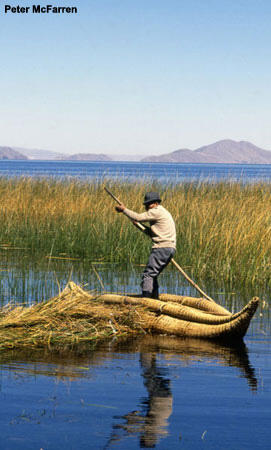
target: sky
142 77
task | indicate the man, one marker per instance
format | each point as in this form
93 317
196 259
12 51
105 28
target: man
163 233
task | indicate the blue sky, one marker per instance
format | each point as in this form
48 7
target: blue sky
134 76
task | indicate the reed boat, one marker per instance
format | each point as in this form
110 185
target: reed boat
76 316
188 316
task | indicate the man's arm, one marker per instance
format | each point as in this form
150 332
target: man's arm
121 208
147 216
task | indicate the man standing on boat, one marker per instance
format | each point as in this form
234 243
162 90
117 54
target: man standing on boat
163 234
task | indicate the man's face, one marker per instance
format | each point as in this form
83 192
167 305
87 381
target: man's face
151 205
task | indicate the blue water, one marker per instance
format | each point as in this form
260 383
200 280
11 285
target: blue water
161 392
165 172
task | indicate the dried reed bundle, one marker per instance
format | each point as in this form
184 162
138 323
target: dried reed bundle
199 303
76 316
72 317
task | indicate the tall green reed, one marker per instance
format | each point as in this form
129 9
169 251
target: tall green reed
223 229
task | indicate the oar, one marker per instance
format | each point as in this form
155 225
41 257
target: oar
143 228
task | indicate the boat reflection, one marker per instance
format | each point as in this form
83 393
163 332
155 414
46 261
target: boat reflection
69 362
188 350
151 422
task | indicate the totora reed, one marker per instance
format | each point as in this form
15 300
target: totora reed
76 316
223 229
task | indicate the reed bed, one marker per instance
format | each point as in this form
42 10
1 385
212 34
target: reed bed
72 318
223 229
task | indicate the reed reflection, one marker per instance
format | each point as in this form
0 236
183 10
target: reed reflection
150 423
188 349
149 420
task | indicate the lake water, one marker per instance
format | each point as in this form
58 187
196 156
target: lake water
153 392
157 392
164 172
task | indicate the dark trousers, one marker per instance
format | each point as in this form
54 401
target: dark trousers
158 260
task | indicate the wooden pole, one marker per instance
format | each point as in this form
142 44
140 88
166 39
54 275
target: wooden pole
190 280
143 228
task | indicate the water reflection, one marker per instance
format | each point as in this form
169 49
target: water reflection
160 362
158 404
150 423
27 279
190 350
71 363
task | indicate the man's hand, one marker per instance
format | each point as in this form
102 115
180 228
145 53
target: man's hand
120 208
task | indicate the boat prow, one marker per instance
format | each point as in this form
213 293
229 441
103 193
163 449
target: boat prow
188 316
233 329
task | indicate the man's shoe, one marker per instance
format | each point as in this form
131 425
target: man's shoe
146 294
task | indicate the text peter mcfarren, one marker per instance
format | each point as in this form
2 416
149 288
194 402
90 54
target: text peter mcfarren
38 9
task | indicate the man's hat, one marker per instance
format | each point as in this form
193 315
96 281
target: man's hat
151 197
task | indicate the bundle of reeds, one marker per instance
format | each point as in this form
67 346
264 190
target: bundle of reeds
72 317
76 316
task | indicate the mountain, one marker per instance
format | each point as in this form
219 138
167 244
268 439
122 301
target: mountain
10 153
37 153
228 151
45 155
225 151
86 157
180 156
126 157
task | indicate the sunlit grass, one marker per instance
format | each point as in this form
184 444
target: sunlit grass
223 229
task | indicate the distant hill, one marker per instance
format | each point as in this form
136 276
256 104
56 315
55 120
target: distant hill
37 153
225 151
87 157
10 153
127 156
